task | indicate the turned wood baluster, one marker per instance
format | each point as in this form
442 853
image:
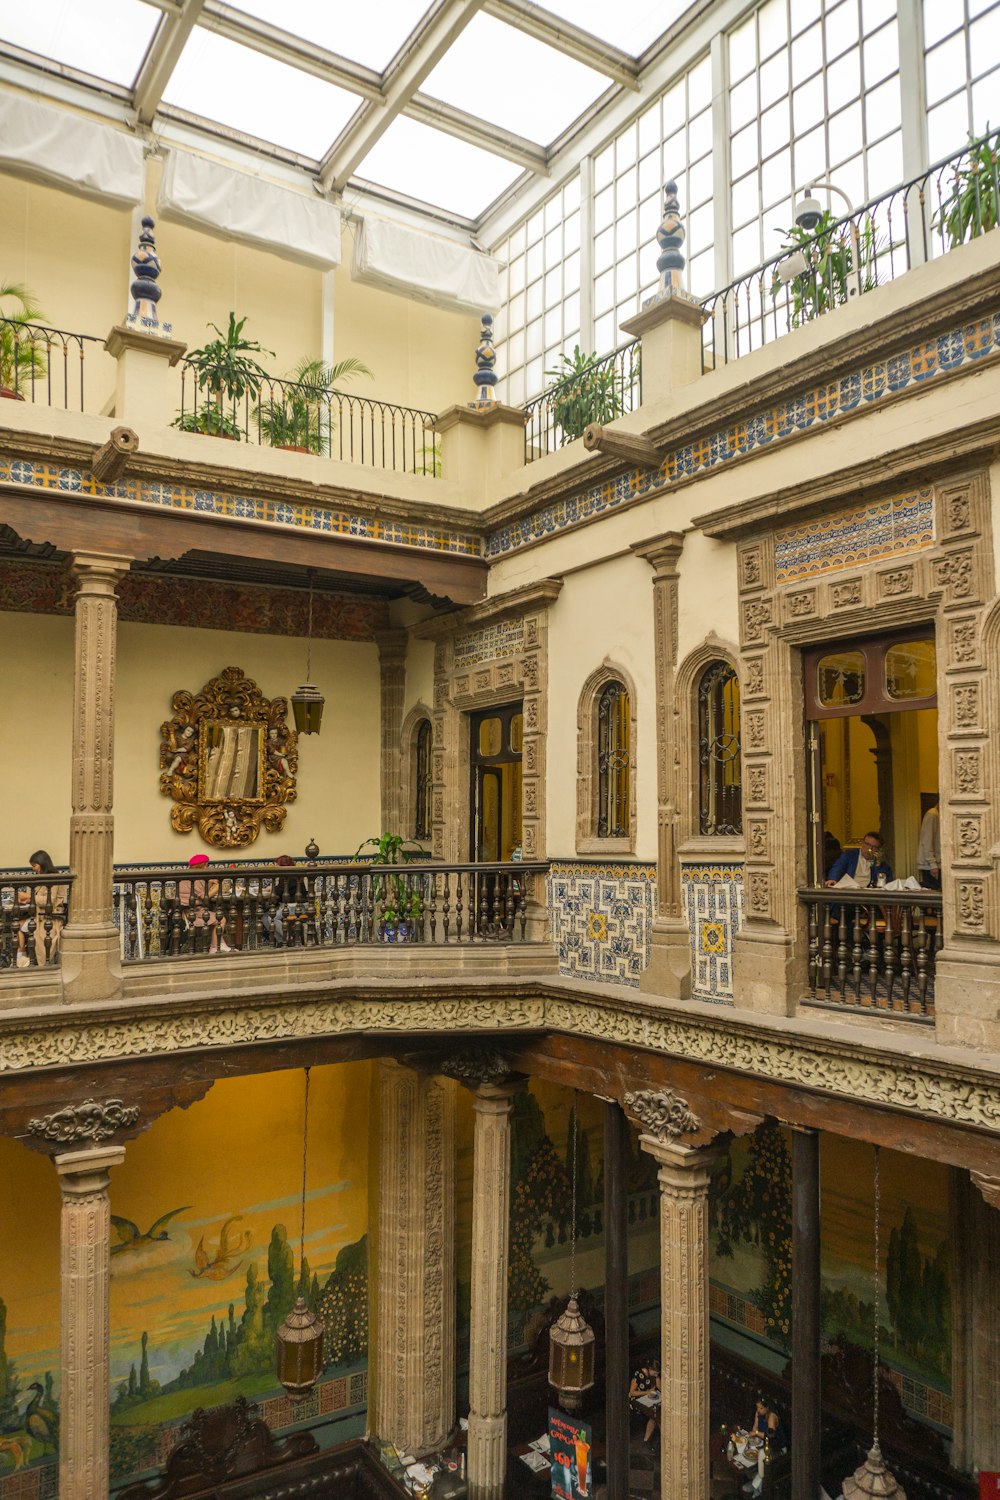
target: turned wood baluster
458 906
842 950
872 957
889 949
432 891
446 905
357 913
341 930
857 959
920 944
373 923
149 914
484 916
176 925
905 957
522 907
813 958
827 950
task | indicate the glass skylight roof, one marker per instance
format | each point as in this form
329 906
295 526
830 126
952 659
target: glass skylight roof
631 26
370 33
512 80
257 95
107 38
437 169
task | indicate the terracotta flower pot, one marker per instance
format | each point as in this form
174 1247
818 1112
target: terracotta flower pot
7 394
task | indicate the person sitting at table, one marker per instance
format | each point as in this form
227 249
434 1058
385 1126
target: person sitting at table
752 1448
49 902
645 1381
864 865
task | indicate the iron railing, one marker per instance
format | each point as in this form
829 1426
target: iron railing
316 419
33 909
874 949
48 366
600 391
173 911
954 201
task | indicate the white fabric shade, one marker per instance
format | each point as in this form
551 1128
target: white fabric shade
54 146
426 267
242 207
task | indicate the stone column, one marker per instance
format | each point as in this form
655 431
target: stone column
975 1305
616 1370
392 677
91 963
806 1322
488 1341
684 1173
669 971
415 1390
85 1280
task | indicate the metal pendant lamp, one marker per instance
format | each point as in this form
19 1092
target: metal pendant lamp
873 1478
299 1340
571 1338
307 701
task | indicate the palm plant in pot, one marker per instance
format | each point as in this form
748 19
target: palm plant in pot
298 411
22 361
583 391
401 901
226 372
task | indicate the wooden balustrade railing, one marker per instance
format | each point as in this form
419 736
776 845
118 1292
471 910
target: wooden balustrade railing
33 910
874 949
171 911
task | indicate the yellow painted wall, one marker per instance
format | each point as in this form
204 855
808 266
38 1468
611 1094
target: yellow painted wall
338 777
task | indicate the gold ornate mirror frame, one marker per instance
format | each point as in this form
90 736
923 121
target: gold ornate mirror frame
228 759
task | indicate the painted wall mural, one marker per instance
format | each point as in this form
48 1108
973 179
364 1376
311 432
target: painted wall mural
204 1266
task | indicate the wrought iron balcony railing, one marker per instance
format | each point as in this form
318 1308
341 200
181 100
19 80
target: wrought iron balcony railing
600 391
51 367
874 949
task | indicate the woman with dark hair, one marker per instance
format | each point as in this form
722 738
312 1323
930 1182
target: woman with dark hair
49 902
644 1396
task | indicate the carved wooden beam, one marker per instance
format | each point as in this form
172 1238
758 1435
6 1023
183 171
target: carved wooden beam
627 445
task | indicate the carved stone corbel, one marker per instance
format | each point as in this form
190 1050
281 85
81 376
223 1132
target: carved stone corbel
629 446
662 1113
108 463
477 1066
90 1121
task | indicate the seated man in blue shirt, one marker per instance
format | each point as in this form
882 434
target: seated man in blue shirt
864 865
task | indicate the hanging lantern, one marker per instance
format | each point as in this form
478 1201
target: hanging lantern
571 1355
571 1338
307 701
873 1478
299 1340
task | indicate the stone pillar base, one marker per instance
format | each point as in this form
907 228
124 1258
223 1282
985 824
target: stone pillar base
967 996
487 1456
669 971
90 958
766 975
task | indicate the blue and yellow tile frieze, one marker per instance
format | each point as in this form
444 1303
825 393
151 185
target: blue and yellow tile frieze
853 393
861 534
296 514
602 916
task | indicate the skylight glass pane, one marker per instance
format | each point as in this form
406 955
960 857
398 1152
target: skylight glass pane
369 34
541 93
631 25
108 38
254 94
437 169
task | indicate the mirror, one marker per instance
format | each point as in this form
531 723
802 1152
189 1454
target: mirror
228 760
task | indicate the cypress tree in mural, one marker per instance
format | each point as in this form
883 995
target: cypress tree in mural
281 1274
918 1294
757 1209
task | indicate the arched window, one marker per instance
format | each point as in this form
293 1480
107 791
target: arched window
720 801
423 780
613 762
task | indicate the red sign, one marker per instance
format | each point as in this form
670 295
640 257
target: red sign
989 1486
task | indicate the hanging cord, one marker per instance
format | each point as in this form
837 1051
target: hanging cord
305 1158
309 646
877 1265
572 1221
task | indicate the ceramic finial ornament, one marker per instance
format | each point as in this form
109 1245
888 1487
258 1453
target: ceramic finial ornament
485 377
670 238
145 291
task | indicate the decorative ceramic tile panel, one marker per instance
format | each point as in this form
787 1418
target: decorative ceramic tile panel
490 643
602 916
854 393
861 534
712 896
299 515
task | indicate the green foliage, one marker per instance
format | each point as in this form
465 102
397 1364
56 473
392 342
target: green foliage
974 204
226 371
399 903
838 258
211 420
301 415
582 392
21 359
543 1191
132 1449
343 1306
757 1209
281 1274
918 1296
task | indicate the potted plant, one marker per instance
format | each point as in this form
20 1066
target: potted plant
226 372
21 359
583 391
401 905
974 205
837 259
297 414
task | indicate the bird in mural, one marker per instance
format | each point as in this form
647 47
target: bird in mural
17 1445
40 1421
131 1237
224 1262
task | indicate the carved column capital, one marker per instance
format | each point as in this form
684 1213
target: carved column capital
662 553
479 1066
663 1115
99 572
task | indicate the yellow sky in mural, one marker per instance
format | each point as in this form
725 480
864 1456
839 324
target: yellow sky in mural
234 1156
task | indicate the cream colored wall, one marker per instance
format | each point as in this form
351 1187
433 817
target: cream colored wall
338 777
419 675
73 253
707 600
604 613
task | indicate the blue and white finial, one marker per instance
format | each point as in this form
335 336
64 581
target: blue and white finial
670 238
145 291
485 377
